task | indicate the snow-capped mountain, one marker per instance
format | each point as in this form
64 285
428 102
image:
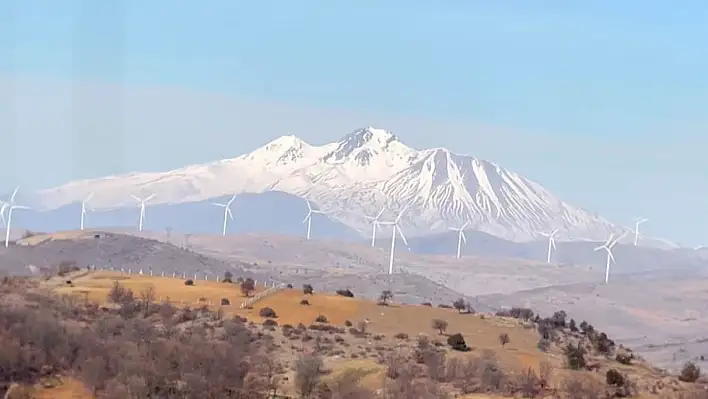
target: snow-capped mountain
367 170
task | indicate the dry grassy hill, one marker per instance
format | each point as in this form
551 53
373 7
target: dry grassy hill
371 350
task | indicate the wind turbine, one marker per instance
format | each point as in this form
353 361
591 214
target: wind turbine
142 202
607 246
394 228
227 212
460 237
375 223
637 222
3 208
10 206
83 209
308 218
551 243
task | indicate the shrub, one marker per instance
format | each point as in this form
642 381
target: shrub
189 282
347 293
267 312
504 339
401 336
270 323
428 304
247 287
347 323
440 325
614 377
386 295
443 306
460 305
225 302
307 289
544 345
690 372
572 326
624 358
289 286
457 342
304 302
521 313
228 276
575 356
321 319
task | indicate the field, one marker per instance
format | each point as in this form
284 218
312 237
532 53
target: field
394 327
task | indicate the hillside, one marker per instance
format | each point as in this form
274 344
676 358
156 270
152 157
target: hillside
345 347
354 177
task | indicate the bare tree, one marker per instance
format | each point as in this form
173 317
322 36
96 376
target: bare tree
308 371
147 297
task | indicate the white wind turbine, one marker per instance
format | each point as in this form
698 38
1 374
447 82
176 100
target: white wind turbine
460 237
637 222
394 228
83 209
3 208
607 246
551 243
142 202
308 218
375 223
227 212
11 207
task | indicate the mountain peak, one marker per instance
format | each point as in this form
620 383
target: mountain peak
285 150
363 145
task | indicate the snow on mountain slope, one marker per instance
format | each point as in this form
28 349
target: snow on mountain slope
358 175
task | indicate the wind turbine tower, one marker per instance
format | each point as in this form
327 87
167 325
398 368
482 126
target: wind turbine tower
227 213
607 246
308 218
83 209
142 202
3 208
637 222
375 223
551 243
394 229
460 237
11 207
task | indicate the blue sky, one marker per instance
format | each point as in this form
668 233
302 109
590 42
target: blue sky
603 103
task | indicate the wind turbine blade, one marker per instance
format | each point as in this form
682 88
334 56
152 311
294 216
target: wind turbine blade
231 200
231 215
14 194
136 198
553 243
599 248
554 232
610 255
467 223
400 232
462 233
88 197
378 215
309 214
20 207
151 196
218 204
609 240
309 207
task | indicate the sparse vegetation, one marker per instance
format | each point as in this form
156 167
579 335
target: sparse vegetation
189 282
575 356
321 319
304 302
228 276
457 342
225 302
307 289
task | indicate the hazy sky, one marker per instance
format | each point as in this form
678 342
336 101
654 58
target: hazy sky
603 103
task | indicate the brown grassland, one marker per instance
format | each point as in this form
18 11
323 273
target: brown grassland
363 348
